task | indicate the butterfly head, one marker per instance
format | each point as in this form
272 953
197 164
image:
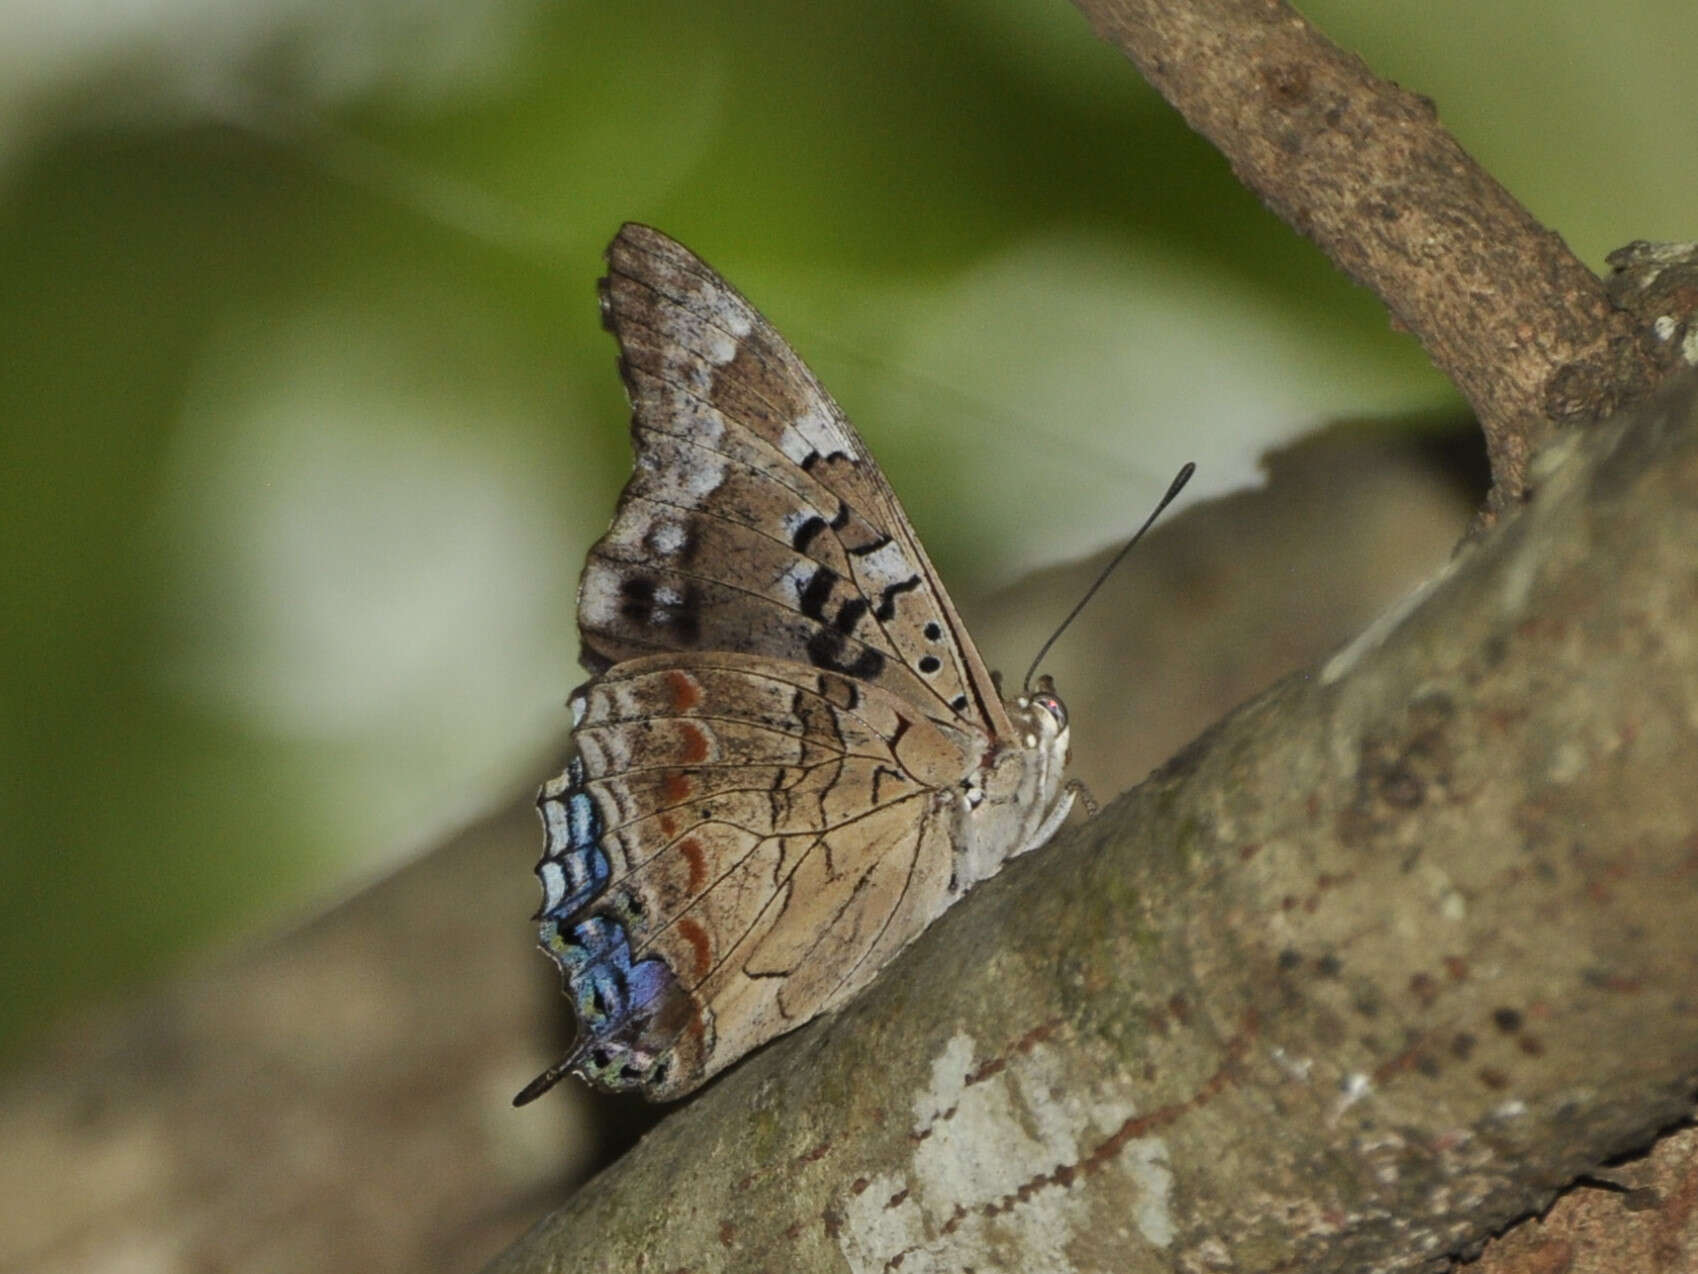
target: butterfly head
1049 704
1040 717
1023 797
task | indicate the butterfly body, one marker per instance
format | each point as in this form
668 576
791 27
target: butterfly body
790 758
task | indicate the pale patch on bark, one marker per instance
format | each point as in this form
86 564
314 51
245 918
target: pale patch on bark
1146 1162
981 1188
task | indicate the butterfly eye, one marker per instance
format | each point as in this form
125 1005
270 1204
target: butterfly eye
1055 708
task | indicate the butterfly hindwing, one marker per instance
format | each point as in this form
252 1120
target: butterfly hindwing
763 830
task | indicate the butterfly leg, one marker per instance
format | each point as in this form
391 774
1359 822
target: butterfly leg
1077 788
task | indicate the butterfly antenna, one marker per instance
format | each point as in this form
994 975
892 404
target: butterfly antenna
1173 490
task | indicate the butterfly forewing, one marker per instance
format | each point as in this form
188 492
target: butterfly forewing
791 758
772 493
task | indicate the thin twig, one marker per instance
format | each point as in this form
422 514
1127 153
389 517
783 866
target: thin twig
1364 168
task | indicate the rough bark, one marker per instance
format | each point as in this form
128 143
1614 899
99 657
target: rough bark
331 1102
1362 976
339 1099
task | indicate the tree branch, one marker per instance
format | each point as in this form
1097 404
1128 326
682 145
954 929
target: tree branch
333 1101
1363 167
1347 984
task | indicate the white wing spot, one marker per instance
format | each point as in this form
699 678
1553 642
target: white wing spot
553 884
888 565
702 480
823 433
667 538
797 576
598 604
795 447
719 348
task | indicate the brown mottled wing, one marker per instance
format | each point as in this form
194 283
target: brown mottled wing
756 520
764 835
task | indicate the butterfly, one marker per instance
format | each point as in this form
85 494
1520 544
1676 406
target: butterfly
790 758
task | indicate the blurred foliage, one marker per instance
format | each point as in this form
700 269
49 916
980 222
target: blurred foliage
308 419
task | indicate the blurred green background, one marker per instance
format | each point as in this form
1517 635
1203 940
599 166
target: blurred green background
308 420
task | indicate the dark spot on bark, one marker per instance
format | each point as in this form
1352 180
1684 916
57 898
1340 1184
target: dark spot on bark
1401 788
